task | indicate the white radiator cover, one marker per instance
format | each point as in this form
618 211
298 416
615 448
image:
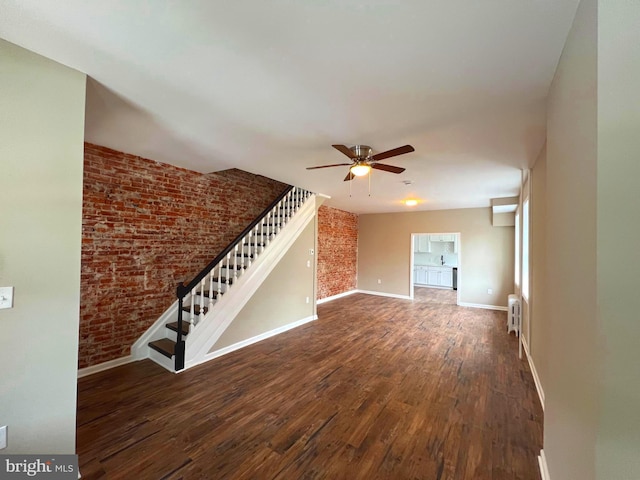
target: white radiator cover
513 321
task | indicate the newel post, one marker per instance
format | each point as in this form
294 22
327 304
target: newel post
180 345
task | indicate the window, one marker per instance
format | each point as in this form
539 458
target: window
517 240
525 249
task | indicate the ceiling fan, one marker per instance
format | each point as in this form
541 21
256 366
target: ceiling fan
362 161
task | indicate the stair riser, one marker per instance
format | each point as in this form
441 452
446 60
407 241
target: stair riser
171 334
157 357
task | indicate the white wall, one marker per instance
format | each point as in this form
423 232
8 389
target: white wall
41 155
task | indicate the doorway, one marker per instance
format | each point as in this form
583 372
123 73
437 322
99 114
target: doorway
436 263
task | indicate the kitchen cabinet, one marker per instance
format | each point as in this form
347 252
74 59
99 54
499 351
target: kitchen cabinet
420 275
449 242
448 237
421 244
446 277
434 276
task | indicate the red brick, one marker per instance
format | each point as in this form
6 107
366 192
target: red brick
146 227
337 251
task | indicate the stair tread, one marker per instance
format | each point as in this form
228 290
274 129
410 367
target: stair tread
164 346
196 309
232 267
223 280
206 293
174 326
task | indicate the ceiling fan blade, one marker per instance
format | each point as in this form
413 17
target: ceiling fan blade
387 168
392 153
350 176
344 149
332 165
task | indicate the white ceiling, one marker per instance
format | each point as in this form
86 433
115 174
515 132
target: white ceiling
268 86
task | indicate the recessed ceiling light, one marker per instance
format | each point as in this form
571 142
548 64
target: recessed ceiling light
412 202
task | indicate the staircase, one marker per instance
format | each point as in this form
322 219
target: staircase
207 305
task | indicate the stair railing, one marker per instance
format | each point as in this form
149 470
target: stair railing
236 258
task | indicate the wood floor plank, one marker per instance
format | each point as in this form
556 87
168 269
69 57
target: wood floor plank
376 388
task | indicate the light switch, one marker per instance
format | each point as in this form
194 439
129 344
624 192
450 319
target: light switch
6 297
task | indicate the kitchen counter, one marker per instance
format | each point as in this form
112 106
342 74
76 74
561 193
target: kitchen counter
435 265
435 275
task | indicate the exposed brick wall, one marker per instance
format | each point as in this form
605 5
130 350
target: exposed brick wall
337 251
147 226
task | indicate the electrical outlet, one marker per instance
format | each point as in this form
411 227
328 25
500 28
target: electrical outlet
307 299
3 437
490 291
308 263
6 297
379 281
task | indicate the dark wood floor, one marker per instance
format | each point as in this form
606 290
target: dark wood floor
377 388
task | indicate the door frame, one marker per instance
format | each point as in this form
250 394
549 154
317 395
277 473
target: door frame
412 261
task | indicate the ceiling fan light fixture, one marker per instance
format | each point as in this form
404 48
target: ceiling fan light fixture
360 170
411 202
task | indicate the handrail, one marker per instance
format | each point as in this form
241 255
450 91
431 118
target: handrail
282 201
183 289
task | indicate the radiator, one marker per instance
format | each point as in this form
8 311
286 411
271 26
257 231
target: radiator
513 319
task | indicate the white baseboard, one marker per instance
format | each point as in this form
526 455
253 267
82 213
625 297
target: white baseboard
487 307
534 372
83 372
544 469
335 297
384 294
252 340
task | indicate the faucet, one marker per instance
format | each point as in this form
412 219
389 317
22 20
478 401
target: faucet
442 259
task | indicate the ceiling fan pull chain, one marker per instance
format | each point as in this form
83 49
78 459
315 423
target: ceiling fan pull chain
370 173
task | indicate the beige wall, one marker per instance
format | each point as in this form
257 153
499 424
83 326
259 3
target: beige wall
282 298
525 326
504 219
571 403
618 254
486 252
588 330
537 255
42 129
